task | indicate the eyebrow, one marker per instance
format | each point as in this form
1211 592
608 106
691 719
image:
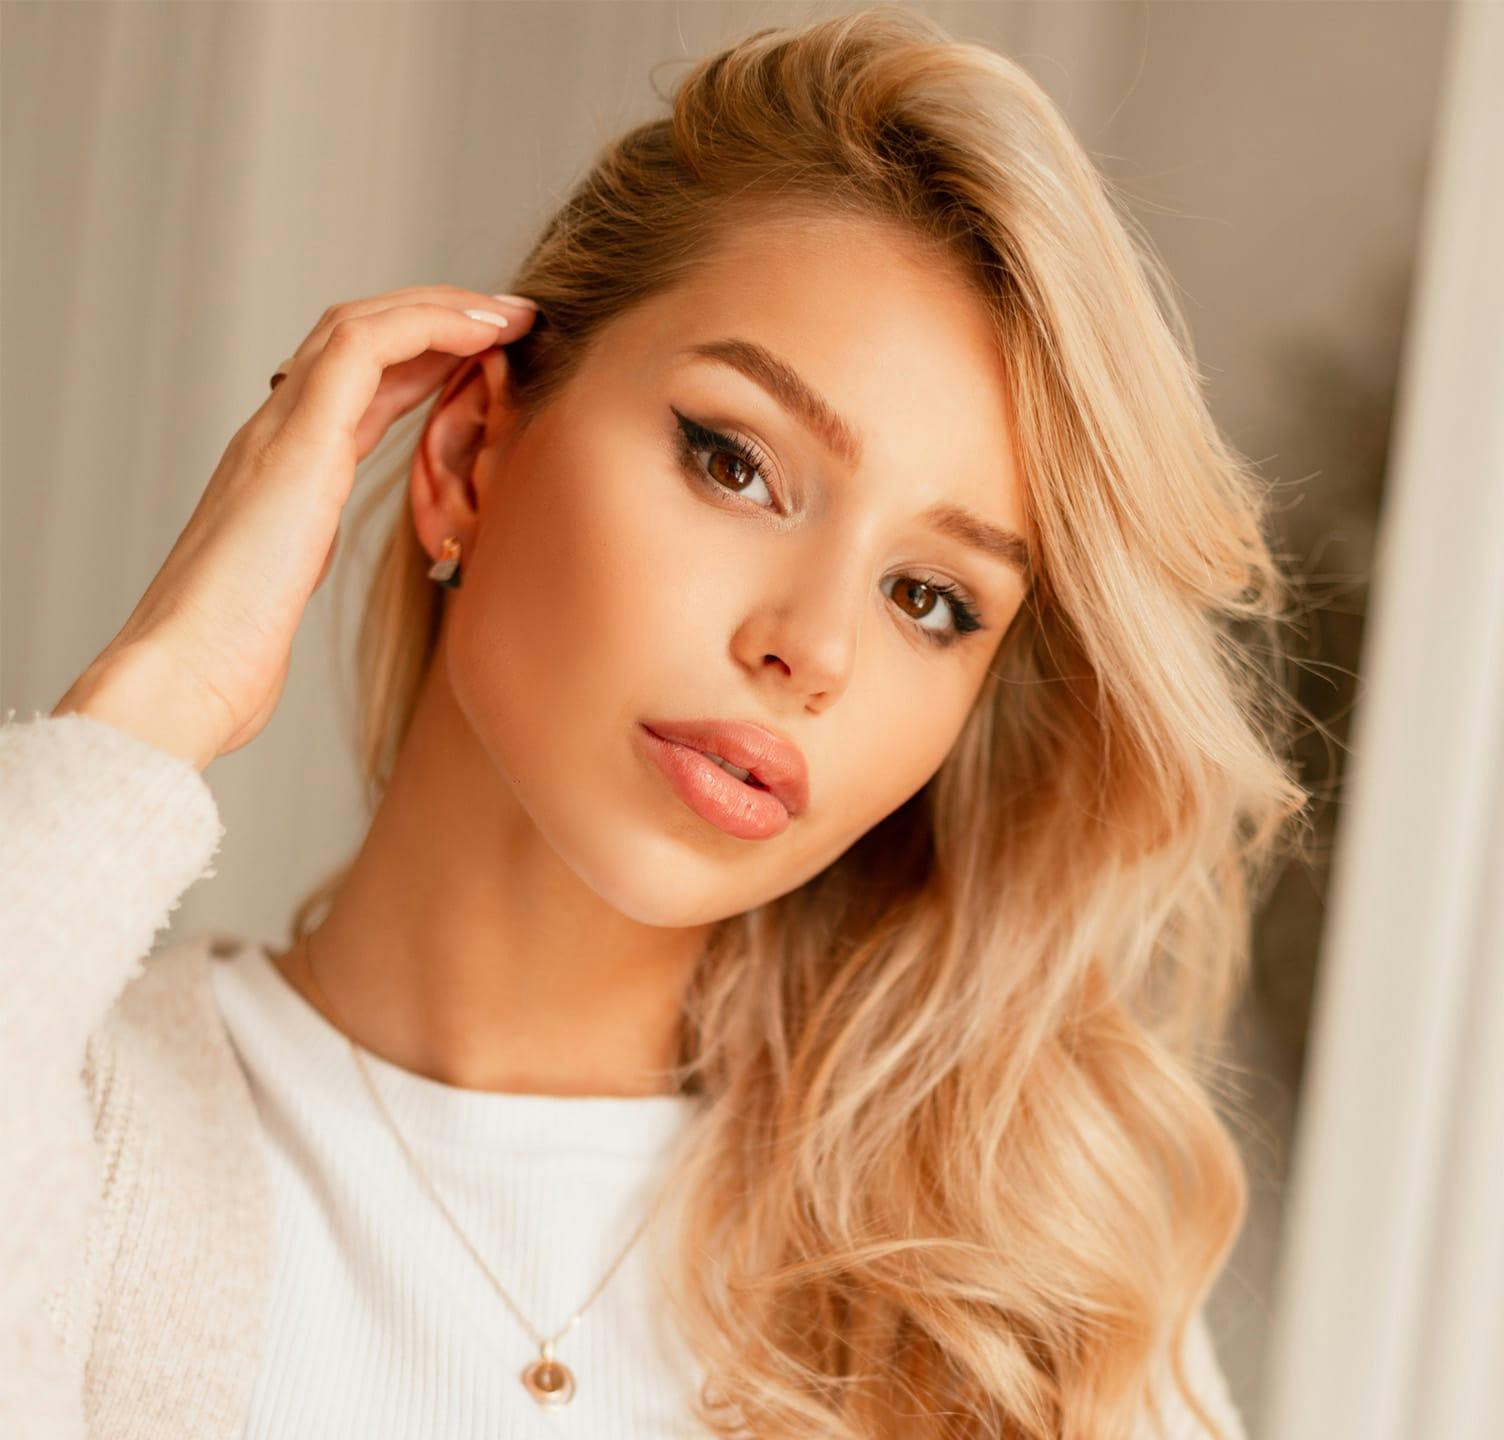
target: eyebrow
839 436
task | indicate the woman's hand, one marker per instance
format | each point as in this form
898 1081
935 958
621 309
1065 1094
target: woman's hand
200 664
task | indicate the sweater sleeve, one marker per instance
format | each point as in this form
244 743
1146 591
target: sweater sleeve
100 835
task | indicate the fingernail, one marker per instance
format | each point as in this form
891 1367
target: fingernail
489 316
517 300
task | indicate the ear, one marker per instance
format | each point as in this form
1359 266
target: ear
470 411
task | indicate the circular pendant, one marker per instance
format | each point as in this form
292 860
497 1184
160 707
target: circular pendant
549 1382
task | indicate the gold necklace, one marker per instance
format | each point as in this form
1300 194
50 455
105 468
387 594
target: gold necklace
548 1380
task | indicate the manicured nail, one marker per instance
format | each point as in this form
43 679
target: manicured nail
489 316
517 300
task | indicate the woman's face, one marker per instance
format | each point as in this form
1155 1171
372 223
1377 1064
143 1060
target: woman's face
625 565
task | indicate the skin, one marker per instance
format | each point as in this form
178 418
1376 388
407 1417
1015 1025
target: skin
529 902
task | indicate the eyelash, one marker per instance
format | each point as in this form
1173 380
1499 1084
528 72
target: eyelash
695 438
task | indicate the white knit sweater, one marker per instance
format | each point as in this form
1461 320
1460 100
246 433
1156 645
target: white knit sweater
209 1233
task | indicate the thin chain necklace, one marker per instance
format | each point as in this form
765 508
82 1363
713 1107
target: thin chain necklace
548 1380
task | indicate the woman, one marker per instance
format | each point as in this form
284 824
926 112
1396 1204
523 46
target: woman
820 775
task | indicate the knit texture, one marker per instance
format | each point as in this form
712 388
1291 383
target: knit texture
138 1218
153 1181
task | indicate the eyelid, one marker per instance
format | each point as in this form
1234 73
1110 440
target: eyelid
734 440
956 594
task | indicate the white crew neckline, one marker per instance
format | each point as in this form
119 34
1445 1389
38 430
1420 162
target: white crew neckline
262 1008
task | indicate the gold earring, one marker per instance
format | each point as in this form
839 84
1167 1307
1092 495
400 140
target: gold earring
446 569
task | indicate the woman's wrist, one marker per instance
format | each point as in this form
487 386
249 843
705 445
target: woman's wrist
142 693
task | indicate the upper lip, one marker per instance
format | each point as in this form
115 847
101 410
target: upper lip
773 760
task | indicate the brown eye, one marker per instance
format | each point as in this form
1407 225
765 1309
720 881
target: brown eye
918 594
742 476
917 599
727 464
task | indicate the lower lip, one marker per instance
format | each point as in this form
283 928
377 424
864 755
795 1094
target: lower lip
714 794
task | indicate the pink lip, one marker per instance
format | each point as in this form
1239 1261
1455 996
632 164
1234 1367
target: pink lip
751 811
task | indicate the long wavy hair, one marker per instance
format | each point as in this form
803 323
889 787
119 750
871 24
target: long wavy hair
960 1172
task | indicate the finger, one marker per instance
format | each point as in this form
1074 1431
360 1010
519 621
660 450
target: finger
403 385
403 388
423 373
340 382
517 310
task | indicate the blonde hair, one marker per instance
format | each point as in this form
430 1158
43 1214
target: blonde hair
961 1173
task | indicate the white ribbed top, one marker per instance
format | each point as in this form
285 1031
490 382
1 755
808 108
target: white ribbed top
380 1322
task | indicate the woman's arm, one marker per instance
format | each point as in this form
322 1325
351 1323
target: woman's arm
101 832
105 818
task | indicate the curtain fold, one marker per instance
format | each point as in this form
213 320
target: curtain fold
1390 1316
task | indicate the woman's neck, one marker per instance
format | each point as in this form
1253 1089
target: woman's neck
460 947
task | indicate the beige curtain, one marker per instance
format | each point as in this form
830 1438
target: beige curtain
1390 1323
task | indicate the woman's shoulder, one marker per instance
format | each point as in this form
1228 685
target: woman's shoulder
162 1069
166 1022
183 1190
171 1102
